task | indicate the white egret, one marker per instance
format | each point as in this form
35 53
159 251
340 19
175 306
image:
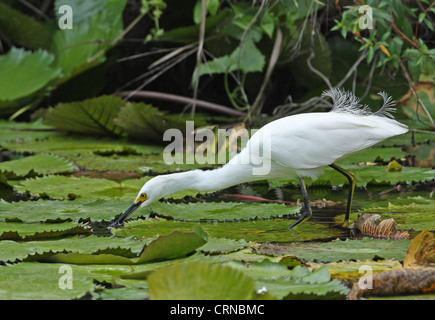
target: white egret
300 145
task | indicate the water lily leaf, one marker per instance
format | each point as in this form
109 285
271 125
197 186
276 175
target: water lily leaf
92 116
74 145
268 230
40 281
59 187
200 281
302 284
222 211
23 72
416 216
41 164
365 175
350 270
171 246
34 231
338 250
55 211
222 245
174 245
11 251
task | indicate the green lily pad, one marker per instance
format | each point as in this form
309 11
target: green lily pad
43 281
85 188
11 251
302 284
364 249
222 211
200 281
165 247
34 231
61 210
268 230
41 164
365 175
75 145
222 245
416 216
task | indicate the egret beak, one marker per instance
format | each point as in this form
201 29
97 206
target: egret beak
136 204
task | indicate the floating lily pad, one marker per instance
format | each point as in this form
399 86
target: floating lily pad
338 250
34 231
59 187
40 281
365 175
165 247
200 281
63 210
302 284
269 230
11 251
413 216
222 245
223 211
41 164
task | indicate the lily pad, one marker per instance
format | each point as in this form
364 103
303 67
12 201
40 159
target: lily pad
11 251
40 281
222 211
34 231
41 164
200 281
85 188
165 247
302 284
269 230
364 249
61 210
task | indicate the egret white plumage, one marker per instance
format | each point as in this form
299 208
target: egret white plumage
300 145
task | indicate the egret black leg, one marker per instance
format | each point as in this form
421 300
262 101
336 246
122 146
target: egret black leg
351 178
307 209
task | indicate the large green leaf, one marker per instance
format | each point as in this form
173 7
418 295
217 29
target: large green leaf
24 30
145 122
223 211
268 230
40 281
62 187
302 284
246 58
84 46
41 164
61 211
23 72
166 247
200 281
33 231
93 116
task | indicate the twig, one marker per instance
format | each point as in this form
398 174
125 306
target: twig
256 106
411 86
352 69
180 99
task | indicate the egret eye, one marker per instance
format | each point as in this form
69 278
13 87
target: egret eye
143 197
